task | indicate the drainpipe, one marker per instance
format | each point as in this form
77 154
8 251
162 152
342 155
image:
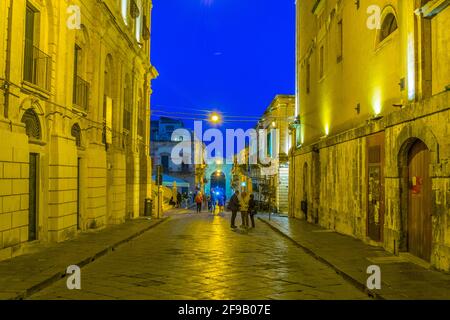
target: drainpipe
8 60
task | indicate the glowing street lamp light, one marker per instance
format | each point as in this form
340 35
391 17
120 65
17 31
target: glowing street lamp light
214 118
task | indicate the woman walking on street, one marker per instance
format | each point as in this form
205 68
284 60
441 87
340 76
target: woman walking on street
243 201
199 201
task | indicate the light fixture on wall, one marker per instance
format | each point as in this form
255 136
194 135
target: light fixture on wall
402 84
376 117
400 104
358 108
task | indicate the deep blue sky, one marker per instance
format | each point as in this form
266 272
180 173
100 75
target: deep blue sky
230 55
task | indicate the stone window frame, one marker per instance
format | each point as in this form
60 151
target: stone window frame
75 132
33 127
379 42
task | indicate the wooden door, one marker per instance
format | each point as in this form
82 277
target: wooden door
420 207
32 199
375 190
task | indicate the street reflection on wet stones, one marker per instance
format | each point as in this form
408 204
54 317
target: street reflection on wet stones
197 256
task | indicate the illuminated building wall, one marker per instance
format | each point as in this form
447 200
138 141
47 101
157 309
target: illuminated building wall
74 117
277 117
365 97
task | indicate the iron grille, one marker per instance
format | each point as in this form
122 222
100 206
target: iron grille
37 66
81 93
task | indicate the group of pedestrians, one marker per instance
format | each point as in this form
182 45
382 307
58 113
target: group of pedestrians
246 204
179 200
216 201
240 202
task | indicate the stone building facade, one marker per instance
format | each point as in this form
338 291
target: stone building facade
372 153
75 85
174 148
162 147
277 117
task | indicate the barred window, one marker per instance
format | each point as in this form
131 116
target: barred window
76 133
32 124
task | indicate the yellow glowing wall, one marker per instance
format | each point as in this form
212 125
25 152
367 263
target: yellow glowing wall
361 74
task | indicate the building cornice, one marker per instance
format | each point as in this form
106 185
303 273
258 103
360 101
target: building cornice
432 8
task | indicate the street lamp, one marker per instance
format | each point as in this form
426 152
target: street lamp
214 118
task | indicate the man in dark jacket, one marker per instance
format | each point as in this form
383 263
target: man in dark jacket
234 207
179 199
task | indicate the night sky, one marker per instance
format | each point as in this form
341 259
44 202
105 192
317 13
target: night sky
228 55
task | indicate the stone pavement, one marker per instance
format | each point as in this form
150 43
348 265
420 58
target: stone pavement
197 256
47 262
350 257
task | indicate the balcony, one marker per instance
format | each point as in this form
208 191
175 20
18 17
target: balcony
37 67
81 93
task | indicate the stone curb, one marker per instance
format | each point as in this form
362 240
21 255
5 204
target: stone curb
356 283
62 274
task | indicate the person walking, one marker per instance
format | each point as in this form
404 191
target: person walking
252 209
213 201
185 200
243 201
179 198
199 201
209 200
221 204
233 206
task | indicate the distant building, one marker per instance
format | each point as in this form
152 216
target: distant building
161 152
218 174
270 181
162 129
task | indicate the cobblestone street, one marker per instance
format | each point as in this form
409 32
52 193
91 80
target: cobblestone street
198 257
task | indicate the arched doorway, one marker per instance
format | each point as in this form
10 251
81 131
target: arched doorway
218 180
419 227
34 132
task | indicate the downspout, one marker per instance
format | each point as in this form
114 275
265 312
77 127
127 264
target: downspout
8 61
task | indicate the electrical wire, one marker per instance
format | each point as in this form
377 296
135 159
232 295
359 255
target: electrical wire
190 116
190 113
185 108
206 113
198 114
